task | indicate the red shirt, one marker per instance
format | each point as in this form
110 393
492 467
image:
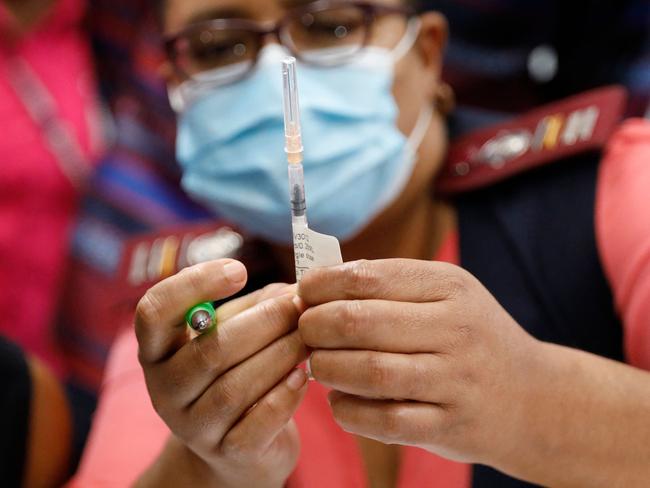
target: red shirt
127 435
37 201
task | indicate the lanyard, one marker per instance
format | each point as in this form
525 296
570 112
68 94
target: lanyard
55 131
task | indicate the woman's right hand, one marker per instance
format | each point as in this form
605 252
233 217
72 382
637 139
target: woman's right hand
228 395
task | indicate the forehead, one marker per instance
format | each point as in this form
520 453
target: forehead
180 13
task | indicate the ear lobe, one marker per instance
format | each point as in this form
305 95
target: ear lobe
445 99
432 41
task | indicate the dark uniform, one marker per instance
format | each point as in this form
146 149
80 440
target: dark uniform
506 57
525 196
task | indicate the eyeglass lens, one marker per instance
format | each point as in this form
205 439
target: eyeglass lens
209 49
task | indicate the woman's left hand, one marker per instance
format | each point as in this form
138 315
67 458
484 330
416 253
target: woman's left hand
420 353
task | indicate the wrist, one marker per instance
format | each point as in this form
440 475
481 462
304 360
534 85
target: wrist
542 415
177 465
524 415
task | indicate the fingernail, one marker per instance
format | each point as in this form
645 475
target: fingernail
310 376
296 379
235 271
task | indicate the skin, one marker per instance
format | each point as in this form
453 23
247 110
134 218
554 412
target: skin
417 353
47 463
421 354
204 388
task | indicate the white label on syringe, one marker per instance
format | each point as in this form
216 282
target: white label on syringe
314 250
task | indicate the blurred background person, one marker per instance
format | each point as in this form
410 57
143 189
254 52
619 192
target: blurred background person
49 140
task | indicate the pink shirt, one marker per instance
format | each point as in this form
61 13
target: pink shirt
623 233
37 202
127 435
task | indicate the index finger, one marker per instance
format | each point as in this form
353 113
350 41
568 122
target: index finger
400 280
238 305
159 323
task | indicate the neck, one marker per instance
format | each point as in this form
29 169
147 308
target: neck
416 232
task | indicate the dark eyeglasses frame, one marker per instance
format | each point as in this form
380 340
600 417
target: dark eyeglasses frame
278 29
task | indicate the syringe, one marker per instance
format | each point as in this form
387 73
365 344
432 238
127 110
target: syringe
293 141
311 249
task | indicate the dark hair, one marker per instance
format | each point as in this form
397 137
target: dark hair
158 7
418 5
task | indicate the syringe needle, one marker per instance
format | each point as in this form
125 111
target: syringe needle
292 130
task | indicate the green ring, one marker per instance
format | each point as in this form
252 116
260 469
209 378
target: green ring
206 306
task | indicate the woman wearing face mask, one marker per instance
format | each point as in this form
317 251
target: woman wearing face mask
405 352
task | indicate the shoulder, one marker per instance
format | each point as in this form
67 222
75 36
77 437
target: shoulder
582 124
34 411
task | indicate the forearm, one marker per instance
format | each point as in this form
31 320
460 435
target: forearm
587 423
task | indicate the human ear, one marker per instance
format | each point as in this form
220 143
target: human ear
430 46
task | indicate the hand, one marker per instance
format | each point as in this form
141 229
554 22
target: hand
226 394
418 353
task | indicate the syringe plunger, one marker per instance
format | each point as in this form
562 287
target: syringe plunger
297 190
298 203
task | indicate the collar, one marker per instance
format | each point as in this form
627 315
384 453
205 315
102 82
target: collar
551 133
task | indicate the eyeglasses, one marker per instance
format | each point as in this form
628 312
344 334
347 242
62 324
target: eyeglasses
322 33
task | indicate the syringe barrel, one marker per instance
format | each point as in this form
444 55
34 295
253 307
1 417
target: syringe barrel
297 190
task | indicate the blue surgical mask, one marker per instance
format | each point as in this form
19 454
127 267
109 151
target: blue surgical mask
230 144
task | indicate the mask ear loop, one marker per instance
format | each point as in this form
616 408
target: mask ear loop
445 101
420 129
176 99
408 39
